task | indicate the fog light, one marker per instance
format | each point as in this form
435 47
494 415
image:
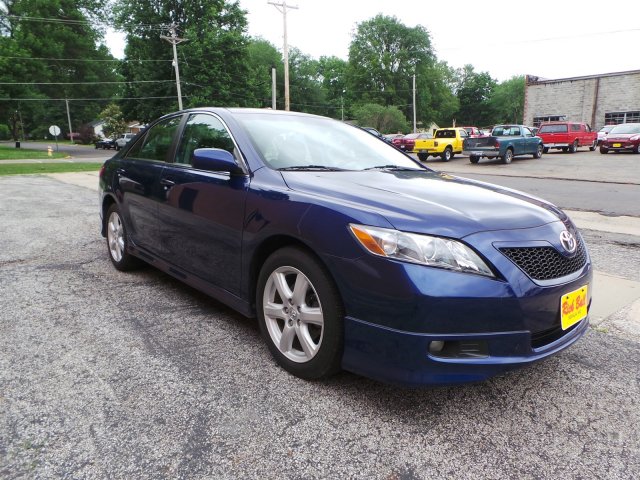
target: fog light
436 347
459 349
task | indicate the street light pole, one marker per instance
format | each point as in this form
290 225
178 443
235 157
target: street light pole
282 8
174 40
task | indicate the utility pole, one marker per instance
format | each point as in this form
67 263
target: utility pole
174 40
282 8
69 120
414 103
273 88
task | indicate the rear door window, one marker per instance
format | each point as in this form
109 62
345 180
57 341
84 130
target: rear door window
157 143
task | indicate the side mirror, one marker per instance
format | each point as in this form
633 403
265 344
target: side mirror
215 160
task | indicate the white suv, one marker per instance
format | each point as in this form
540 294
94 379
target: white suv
123 139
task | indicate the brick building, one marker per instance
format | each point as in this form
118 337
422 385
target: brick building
598 100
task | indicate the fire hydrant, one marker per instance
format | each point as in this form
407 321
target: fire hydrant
49 151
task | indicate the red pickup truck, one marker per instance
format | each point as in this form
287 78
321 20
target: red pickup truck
567 136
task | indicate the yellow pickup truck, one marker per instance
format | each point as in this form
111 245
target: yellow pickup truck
446 142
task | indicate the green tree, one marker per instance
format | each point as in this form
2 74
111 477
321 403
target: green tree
114 123
305 84
333 75
55 50
261 57
383 119
507 101
383 57
474 93
212 60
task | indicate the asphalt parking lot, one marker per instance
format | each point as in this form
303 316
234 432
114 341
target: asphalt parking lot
105 374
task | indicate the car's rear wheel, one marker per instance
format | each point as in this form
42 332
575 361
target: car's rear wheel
508 156
574 147
300 314
474 158
538 153
603 149
545 150
117 241
637 149
447 154
423 157
593 147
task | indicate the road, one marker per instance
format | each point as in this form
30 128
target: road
76 153
111 375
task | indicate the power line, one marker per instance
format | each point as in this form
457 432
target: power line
84 83
156 26
83 59
79 99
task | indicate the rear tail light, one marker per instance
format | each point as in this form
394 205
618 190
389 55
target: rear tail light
497 144
101 172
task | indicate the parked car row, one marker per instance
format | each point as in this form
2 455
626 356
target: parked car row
118 143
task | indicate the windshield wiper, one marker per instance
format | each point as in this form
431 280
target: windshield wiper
390 167
312 167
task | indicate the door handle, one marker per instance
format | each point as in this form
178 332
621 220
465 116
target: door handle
121 171
167 183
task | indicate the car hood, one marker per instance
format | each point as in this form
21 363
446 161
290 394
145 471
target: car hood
427 202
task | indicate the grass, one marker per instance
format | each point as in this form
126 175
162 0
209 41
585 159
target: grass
30 168
11 153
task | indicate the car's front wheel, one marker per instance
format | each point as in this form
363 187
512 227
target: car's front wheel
538 152
603 149
117 241
593 147
300 314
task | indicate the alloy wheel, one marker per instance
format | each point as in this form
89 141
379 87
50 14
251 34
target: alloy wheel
293 314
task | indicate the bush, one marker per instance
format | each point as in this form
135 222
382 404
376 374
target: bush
5 132
383 119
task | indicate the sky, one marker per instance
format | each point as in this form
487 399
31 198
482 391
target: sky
550 39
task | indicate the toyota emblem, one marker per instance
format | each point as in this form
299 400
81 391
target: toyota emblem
568 241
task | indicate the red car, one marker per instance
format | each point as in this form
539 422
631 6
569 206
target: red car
474 132
624 137
407 142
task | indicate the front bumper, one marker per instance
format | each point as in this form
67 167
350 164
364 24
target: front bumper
401 357
395 310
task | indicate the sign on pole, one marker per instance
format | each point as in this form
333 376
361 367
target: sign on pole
55 131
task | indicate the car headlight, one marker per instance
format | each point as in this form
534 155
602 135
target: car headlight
421 249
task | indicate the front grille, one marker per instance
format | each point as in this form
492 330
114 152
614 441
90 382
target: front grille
546 263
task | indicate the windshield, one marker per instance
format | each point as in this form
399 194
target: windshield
626 128
298 141
553 128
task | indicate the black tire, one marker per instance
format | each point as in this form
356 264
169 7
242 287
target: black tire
117 147
118 241
574 147
603 149
447 154
320 294
565 149
545 150
539 151
423 157
593 147
637 149
474 158
508 156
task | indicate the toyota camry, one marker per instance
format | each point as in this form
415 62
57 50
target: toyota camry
351 254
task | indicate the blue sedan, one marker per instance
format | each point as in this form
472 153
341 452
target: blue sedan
350 254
